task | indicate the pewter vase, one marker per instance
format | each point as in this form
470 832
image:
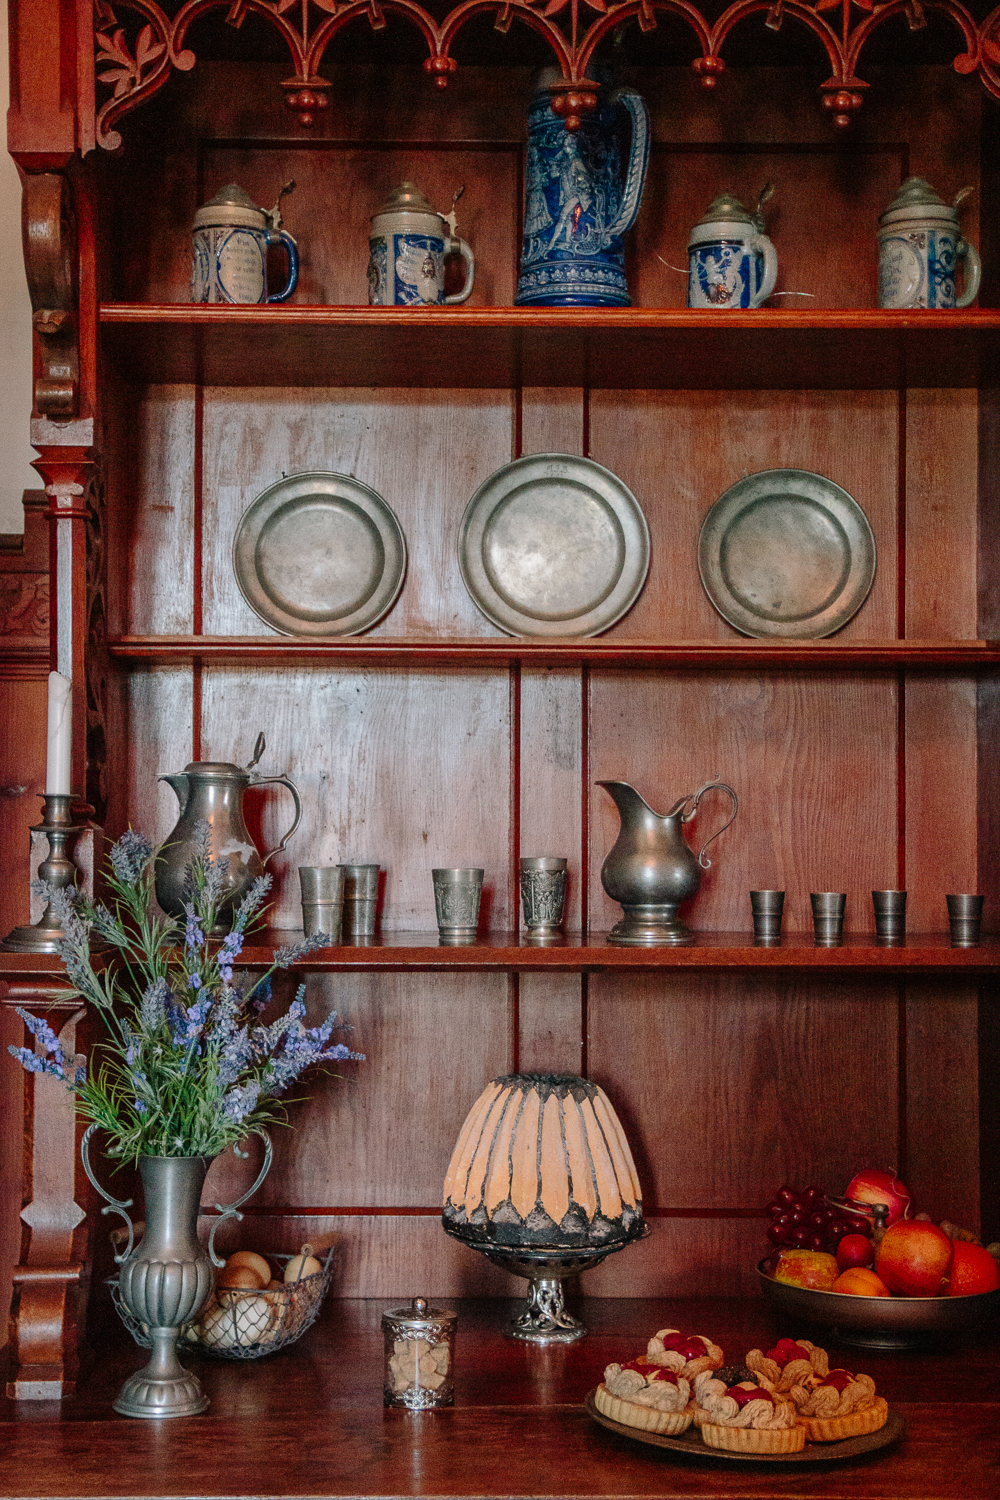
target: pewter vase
650 869
211 792
166 1281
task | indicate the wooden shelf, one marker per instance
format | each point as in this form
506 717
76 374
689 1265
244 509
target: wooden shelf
505 651
310 1420
575 953
490 347
921 952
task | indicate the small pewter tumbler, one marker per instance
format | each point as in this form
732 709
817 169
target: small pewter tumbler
766 908
456 899
890 915
419 1356
828 917
543 896
965 915
360 899
322 900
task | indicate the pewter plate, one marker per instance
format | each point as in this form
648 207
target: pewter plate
786 553
554 545
691 1444
319 554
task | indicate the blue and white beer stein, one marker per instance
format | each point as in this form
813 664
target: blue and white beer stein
731 261
231 238
919 249
407 248
582 193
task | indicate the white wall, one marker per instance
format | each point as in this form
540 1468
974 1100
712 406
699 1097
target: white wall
16 452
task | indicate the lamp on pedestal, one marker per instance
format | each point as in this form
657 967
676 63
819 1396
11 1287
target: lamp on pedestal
542 1183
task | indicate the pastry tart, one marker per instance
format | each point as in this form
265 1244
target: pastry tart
643 1395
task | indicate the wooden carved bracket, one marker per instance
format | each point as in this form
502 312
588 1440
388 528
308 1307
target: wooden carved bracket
134 61
49 235
50 1283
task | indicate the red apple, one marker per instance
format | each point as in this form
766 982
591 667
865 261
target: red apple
877 1186
913 1258
809 1268
855 1250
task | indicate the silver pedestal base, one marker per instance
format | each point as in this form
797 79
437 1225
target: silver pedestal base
650 927
162 1388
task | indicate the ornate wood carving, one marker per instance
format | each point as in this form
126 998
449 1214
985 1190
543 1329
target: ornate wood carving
50 1280
135 61
49 237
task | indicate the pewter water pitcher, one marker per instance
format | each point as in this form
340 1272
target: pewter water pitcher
651 870
211 792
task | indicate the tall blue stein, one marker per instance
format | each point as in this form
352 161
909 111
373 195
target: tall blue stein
582 193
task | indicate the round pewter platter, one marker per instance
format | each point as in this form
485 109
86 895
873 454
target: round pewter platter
319 554
786 553
553 545
691 1445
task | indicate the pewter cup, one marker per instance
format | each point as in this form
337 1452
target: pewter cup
828 917
360 900
322 900
766 908
543 896
457 894
890 915
965 915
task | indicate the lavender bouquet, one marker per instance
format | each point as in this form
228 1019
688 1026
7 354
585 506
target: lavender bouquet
187 1068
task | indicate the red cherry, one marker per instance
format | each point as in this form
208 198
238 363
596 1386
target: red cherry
800 1235
816 1242
774 1209
786 1195
812 1195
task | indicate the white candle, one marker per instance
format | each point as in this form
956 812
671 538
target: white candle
60 734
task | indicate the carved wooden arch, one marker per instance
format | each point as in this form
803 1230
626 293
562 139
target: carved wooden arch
135 66
48 232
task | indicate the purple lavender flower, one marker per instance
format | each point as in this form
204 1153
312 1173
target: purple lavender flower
193 935
231 949
292 952
32 1063
240 1101
41 1029
194 981
251 901
130 856
196 1016
153 1005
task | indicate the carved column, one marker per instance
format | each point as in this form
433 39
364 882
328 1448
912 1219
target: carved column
50 1284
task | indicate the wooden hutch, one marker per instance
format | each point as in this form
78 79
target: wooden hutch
870 759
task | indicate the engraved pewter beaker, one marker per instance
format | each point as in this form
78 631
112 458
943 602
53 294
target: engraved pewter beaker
543 896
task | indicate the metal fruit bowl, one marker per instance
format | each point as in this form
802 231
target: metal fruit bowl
881 1322
239 1324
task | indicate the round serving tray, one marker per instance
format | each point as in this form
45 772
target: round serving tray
554 545
319 554
786 553
690 1444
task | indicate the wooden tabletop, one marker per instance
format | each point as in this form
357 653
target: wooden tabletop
309 1420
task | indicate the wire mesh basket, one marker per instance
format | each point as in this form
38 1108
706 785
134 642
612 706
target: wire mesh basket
238 1324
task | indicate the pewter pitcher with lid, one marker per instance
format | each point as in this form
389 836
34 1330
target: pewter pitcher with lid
211 792
651 870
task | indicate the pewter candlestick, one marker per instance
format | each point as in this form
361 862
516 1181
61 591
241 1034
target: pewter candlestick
57 870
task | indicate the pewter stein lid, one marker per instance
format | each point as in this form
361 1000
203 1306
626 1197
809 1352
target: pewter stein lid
728 211
407 198
916 199
231 205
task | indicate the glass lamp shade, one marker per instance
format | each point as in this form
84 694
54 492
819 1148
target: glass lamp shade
542 1161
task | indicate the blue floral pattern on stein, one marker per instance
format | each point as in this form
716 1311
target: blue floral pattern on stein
582 194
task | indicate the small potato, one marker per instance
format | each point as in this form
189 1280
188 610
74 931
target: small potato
253 1260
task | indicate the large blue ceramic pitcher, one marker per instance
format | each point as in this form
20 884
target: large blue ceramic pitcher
582 193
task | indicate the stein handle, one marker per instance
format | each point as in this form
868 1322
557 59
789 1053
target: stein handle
973 271
281 781
711 786
459 247
230 1210
282 237
113 1205
638 161
766 248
